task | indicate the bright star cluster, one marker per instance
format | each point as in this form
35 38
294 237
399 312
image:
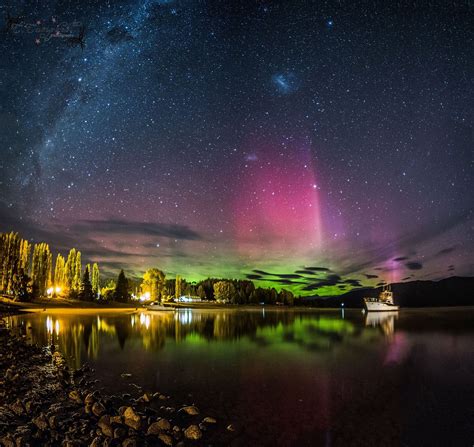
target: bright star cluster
317 147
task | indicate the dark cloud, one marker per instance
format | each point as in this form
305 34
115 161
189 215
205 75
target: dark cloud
368 276
406 278
375 254
285 282
330 280
445 251
401 258
415 265
352 282
317 269
288 275
118 226
261 272
251 276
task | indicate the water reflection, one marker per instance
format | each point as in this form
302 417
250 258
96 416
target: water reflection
383 320
80 337
306 374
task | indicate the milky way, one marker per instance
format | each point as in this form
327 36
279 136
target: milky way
303 145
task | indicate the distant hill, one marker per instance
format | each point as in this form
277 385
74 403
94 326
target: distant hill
454 291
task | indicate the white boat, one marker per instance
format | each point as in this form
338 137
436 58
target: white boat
384 302
156 305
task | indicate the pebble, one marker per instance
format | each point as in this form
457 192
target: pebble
193 432
191 410
209 420
166 439
98 409
132 419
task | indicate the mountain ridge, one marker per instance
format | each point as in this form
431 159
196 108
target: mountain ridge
452 291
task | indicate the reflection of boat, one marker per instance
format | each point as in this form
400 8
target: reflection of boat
157 306
383 303
385 320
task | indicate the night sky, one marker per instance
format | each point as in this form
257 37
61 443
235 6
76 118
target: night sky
307 145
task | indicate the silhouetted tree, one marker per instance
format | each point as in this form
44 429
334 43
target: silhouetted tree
86 293
122 291
201 293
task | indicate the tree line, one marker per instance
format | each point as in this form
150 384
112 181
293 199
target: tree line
27 271
155 287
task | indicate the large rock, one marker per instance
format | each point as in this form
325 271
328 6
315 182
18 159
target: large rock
193 432
132 419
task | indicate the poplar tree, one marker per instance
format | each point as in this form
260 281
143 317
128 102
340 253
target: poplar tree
14 262
60 272
177 289
95 278
70 269
78 272
41 267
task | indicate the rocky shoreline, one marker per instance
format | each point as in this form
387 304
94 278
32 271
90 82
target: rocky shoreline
43 402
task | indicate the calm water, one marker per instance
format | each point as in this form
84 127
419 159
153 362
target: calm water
289 377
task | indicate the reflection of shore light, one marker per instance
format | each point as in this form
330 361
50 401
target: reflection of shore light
184 316
145 320
52 326
49 325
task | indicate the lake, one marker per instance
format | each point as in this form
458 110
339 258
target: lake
288 377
